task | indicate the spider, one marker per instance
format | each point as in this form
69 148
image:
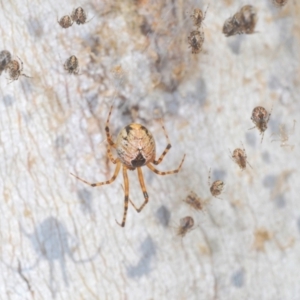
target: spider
135 148
186 225
79 16
260 117
14 69
239 156
216 187
65 21
5 58
194 201
196 40
72 65
198 16
280 2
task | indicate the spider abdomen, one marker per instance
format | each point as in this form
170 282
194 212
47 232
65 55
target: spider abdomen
135 146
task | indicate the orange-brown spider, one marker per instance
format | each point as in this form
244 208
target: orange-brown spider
198 16
260 117
239 156
65 21
135 148
194 201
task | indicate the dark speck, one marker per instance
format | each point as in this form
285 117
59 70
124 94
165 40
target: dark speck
269 181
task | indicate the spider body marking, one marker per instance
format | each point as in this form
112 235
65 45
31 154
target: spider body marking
135 148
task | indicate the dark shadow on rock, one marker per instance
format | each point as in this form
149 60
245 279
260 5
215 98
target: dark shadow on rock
163 215
142 268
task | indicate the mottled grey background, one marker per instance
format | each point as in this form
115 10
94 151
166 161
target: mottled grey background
58 236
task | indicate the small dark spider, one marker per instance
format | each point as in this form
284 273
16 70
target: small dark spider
135 148
186 225
239 156
216 187
194 201
260 117
196 40
280 3
198 17
72 65
14 69
65 22
79 16
5 58
243 21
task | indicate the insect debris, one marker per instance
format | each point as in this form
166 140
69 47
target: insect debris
135 148
72 65
260 117
242 22
283 136
216 187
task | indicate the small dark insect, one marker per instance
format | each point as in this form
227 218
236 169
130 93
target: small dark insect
79 16
198 17
194 201
186 225
196 40
72 65
14 69
260 117
65 22
5 58
243 21
280 2
216 187
239 156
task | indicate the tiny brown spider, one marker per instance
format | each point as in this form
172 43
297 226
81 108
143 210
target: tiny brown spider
194 201
243 21
65 21
216 187
186 224
72 65
260 117
196 40
280 3
5 58
79 16
198 16
239 156
14 69
135 148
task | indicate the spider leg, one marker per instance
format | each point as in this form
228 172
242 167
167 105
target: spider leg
117 170
156 162
251 128
110 156
143 186
109 139
126 184
152 168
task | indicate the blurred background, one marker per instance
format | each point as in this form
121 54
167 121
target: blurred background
59 236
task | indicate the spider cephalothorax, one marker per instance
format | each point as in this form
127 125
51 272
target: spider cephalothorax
135 148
